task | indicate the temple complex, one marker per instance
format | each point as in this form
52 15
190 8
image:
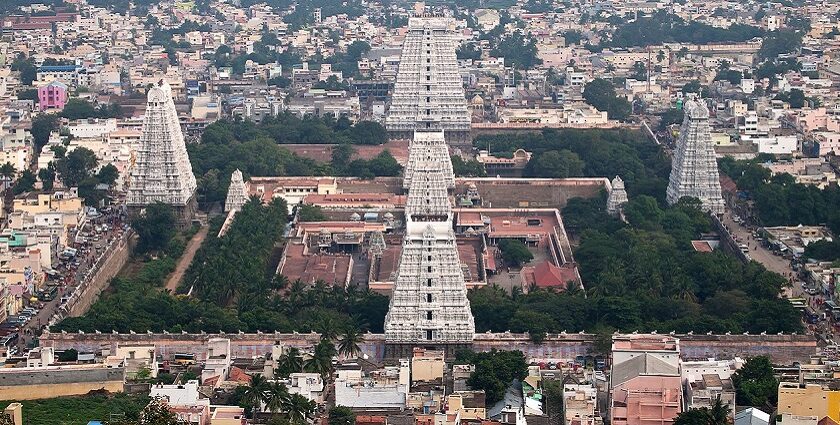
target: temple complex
429 92
694 170
162 172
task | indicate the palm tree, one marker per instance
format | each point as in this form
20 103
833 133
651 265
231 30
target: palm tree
299 408
8 171
328 328
348 343
719 413
289 363
277 397
321 361
255 393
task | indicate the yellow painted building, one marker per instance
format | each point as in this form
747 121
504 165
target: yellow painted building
809 400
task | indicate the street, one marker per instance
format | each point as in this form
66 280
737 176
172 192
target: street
98 238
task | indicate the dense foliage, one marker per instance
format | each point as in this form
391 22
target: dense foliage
135 303
79 109
80 410
494 371
255 150
628 154
601 94
645 276
755 383
155 228
663 27
779 201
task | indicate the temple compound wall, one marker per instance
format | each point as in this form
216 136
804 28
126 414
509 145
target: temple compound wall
781 349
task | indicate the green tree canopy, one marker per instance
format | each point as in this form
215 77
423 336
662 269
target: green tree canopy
600 93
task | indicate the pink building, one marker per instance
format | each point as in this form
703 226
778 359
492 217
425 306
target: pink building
645 383
52 96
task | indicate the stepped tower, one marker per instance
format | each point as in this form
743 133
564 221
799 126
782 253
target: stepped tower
429 306
429 92
694 169
237 194
162 171
617 197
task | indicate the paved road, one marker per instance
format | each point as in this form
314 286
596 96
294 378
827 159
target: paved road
90 255
186 259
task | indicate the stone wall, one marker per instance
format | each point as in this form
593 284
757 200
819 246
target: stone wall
782 349
88 292
31 384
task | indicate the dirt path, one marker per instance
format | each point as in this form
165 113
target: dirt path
186 259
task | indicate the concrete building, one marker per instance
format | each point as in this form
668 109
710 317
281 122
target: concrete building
162 172
808 400
383 389
580 404
645 383
694 170
24 383
429 92
52 96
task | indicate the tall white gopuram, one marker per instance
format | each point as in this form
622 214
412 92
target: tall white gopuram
617 197
237 194
429 306
694 169
429 92
162 171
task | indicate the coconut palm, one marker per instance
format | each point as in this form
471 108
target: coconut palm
321 361
328 328
276 397
291 362
299 408
348 342
719 413
255 394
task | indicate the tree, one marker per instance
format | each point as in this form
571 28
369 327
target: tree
348 342
155 227
8 171
555 164
777 43
76 109
25 183
321 361
76 166
276 397
494 371
341 415
108 174
26 67
289 363
47 176
157 413
299 409
515 252
307 213
600 93
639 72
42 126
755 383
471 168
718 414
255 393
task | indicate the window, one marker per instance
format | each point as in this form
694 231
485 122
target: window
428 298
429 282
428 315
429 334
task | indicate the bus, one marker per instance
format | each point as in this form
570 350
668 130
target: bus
185 359
798 303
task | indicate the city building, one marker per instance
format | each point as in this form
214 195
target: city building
645 384
52 96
